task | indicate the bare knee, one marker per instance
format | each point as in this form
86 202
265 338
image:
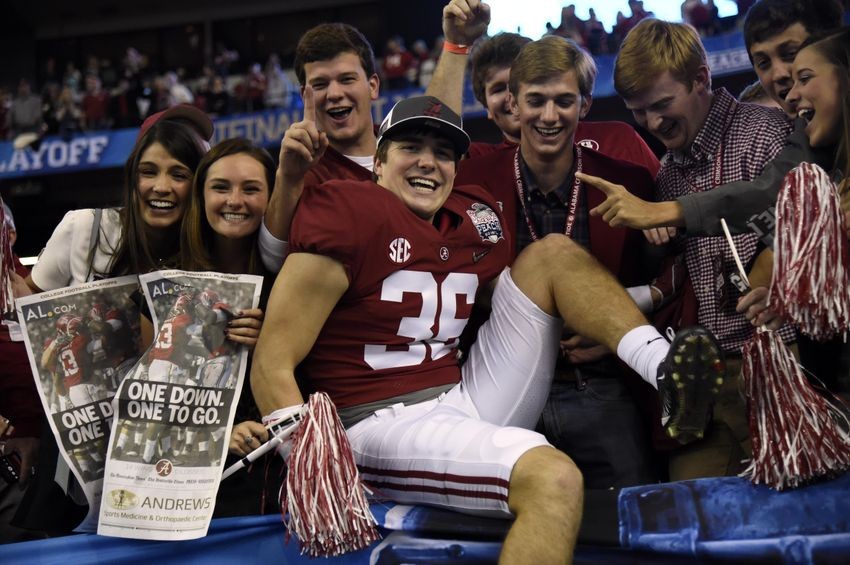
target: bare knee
554 256
552 247
545 477
546 263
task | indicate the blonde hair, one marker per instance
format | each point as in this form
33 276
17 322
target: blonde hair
540 60
653 47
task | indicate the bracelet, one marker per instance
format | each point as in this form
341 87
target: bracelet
450 47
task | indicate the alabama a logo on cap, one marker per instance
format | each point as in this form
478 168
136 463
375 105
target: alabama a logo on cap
434 109
486 222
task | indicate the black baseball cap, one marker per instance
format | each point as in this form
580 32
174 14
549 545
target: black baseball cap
425 113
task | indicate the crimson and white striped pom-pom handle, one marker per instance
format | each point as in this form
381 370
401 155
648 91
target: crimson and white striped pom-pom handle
811 268
323 494
7 265
798 434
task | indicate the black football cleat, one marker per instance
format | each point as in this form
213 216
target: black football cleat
689 381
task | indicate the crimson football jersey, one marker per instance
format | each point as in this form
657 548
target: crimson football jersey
617 140
74 360
172 340
412 284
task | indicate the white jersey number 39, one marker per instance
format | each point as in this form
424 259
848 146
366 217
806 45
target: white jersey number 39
418 329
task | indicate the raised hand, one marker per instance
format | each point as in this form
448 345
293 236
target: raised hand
464 21
303 144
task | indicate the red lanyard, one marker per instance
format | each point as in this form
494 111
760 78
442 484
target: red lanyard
571 216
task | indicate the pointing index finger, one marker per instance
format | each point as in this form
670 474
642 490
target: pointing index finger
309 104
596 182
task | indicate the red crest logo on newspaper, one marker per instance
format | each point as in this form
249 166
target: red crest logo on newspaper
486 222
164 467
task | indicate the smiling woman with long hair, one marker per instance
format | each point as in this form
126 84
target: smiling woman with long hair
91 244
822 93
230 195
142 235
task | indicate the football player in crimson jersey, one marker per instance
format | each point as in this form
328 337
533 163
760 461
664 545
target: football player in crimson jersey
167 358
49 361
377 289
75 362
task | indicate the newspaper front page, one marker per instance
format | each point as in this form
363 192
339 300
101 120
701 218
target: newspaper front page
175 408
81 341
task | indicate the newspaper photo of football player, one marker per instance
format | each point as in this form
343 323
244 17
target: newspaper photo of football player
177 404
81 342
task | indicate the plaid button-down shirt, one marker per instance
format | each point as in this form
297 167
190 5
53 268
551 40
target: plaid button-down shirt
735 143
548 212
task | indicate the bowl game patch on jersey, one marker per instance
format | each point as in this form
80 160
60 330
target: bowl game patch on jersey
486 222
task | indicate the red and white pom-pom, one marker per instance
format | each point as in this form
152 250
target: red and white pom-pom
811 268
798 434
7 264
323 494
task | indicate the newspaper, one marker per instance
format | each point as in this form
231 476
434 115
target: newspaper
175 408
81 341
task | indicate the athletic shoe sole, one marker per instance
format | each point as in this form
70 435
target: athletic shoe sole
696 371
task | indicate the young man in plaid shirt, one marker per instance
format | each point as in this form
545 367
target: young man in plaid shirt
663 76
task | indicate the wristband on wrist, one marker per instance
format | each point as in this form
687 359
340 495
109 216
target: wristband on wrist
283 417
450 47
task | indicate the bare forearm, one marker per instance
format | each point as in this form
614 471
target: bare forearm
762 270
272 386
447 82
666 214
304 294
282 206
